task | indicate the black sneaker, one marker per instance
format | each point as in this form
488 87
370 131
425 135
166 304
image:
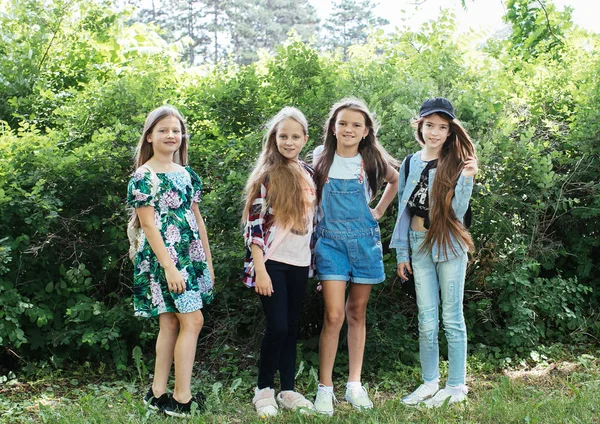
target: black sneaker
182 410
157 403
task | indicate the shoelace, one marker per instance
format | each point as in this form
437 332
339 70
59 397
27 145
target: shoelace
332 394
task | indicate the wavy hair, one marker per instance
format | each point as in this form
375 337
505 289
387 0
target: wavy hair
375 158
144 150
443 220
285 180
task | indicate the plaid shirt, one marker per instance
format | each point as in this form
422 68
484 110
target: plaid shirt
260 229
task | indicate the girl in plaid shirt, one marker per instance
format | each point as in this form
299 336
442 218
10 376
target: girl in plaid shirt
278 217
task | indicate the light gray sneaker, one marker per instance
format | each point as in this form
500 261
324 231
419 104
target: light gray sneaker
359 398
442 396
324 402
422 393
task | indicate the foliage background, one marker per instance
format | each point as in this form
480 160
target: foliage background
77 82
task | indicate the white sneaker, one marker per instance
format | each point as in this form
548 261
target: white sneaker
324 401
295 401
359 398
264 402
422 393
442 396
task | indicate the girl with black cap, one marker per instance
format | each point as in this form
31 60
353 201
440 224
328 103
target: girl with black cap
432 242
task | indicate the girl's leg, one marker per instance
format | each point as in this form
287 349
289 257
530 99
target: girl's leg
277 328
428 301
451 276
356 312
190 325
297 278
334 293
165 347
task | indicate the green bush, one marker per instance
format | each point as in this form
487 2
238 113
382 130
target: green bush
70 123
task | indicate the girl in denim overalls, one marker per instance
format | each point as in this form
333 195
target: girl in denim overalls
350 168
433 201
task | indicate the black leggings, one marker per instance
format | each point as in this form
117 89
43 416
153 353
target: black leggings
282 311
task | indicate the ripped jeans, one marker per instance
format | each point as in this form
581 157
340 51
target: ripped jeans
431 279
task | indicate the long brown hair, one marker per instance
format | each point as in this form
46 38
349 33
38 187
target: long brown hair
375 157
443 221
285 180
144 150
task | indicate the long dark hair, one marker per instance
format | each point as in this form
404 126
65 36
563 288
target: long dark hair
456 149
374 156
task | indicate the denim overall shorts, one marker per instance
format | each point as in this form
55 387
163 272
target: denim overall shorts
348 244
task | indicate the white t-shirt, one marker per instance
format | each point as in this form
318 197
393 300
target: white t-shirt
345 169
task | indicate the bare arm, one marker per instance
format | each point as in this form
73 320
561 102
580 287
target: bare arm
263 285
204 240
175 281
391 189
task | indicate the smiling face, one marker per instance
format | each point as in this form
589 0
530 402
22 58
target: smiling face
350 128
166 136
435 130
290 138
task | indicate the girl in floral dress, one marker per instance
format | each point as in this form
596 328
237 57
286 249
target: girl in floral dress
173 271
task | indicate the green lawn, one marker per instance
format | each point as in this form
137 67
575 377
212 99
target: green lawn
542 391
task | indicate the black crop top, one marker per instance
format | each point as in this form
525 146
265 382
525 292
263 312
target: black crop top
418 202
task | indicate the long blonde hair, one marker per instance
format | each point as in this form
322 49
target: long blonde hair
285 181
443 221
144 150
375 158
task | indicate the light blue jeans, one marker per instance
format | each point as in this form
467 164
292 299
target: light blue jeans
431 279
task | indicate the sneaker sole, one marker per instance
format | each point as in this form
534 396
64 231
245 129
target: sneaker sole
413 403
330 413
177 414
359 407
150 406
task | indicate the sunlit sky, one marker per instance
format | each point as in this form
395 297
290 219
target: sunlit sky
481 15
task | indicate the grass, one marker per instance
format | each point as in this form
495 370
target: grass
543 390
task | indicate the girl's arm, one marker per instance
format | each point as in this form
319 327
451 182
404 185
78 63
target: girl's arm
255 241
388 194
175 281
262 280
204 239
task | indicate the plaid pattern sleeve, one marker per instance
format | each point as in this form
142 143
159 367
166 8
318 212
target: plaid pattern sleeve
258 230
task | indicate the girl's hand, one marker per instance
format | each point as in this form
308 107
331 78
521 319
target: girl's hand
470 167
376 214
403 270
263 286
175 281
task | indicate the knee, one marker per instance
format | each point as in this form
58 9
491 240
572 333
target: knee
169 323
277 330
192 322
356 314
429 321
334 319
454 322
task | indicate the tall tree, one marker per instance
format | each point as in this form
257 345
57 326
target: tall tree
197 23
349 24
265 24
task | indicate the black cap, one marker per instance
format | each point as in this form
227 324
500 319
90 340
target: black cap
437 105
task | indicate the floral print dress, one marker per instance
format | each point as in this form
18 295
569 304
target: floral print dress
176 222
